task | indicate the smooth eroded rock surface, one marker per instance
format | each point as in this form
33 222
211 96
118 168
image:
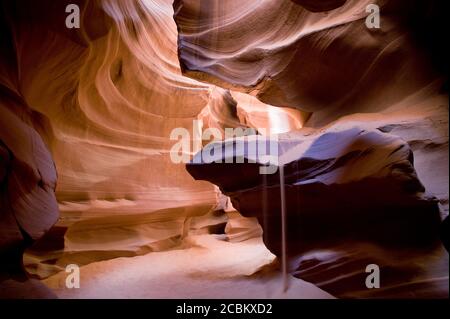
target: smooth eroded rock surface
353 198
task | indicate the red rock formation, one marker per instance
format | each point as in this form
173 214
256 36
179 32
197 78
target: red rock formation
100 102
339 184
28 177
318 6
328 63
111 93
322 58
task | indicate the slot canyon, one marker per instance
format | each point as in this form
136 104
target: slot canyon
94 174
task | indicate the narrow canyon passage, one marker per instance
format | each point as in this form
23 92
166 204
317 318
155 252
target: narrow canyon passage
222 149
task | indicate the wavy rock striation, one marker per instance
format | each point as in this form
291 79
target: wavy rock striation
103 101
321 59
100 103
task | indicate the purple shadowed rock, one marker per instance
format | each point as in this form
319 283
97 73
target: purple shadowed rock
351 183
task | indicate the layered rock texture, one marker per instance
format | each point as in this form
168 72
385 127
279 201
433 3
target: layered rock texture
348 183
86 147
344 188
329 62
100 104
368 171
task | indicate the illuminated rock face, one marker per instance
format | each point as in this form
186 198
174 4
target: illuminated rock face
288 53
104 98
87 114
112 95
329 63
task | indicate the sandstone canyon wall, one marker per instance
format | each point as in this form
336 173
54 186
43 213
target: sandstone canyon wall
87 115
104 99
322 58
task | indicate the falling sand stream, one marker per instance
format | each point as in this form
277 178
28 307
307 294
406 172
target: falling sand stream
283 229
285 283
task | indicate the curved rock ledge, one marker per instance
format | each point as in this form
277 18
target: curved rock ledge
339 184
313 61
353 198
100 103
